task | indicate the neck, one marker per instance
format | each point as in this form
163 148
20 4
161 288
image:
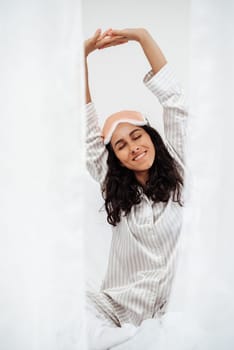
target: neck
142 176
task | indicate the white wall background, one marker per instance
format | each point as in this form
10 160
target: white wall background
41 264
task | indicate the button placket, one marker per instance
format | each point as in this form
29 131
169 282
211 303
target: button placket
149 212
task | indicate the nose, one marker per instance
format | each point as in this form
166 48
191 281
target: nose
134 149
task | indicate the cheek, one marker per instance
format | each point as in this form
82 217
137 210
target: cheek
153 151
122 156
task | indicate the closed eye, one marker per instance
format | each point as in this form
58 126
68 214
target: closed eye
121 146
136 137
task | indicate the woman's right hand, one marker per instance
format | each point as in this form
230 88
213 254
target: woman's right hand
90 44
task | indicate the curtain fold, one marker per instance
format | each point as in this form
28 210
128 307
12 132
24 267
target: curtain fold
41 161
205 278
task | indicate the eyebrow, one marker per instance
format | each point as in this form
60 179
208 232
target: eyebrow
130 134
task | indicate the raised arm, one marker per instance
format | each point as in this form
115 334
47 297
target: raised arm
89 46
96 152
97 41
161 81
164 85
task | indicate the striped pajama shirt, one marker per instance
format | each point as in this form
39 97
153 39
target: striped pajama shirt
142 256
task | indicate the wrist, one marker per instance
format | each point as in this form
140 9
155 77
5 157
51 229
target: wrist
86 51
142 35
88 48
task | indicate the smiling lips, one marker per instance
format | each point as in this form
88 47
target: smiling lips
140 156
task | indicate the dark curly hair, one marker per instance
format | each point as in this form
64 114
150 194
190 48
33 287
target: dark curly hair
121 190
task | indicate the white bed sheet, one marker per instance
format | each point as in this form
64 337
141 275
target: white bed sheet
175 332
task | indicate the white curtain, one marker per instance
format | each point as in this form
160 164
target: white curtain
41 166
205 278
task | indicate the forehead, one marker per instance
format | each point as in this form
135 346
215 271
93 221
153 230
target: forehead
123 130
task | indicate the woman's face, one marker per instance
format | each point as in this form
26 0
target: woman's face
133 147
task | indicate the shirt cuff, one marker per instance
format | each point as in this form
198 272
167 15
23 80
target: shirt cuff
162 82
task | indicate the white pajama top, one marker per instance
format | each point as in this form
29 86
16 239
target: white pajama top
143 249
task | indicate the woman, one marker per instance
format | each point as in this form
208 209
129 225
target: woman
142 178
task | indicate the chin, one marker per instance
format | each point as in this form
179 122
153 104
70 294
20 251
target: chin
148 166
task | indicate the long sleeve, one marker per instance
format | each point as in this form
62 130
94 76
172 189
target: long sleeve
171 96
96 152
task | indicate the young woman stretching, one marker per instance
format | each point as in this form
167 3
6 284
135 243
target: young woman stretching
141 177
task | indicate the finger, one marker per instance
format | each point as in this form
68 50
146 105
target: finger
117 32
113 44
97 33
106 33
121 42
109 39
103 43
